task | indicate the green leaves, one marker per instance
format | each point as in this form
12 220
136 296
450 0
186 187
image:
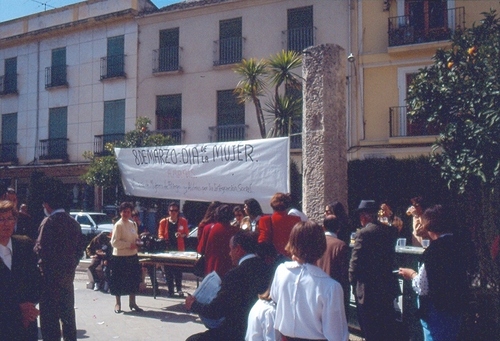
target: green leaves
460 94
277 72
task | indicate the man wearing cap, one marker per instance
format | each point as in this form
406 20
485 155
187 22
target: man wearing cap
375 286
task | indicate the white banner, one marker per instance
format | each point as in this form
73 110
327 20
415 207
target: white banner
226 171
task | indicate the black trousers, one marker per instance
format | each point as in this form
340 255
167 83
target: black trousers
57 308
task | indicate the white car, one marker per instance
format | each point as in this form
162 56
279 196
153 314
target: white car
93 223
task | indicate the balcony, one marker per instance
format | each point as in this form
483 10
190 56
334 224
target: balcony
228 51
113 66
177 135
230 132
402 30
8 84
400 125
101 140
166 59
8 153
53 150
56 76
297 39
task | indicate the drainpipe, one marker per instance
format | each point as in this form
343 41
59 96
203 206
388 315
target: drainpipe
35 158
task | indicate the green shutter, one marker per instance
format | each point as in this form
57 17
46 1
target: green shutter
9 128
114 117
169 38
58 123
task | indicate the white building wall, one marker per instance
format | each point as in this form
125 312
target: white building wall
199 81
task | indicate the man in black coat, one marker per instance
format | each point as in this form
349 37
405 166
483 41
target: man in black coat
371 275
238 292
59 247
19 280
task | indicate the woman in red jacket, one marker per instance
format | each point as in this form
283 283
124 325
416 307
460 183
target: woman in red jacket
174 230
276 228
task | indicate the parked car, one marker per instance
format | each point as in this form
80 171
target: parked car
93 223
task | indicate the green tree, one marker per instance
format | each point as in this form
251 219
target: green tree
103 170
275 78
460 95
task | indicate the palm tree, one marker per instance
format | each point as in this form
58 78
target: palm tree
288 106
252 86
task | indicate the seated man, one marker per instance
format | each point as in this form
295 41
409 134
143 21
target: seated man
238 292
99 250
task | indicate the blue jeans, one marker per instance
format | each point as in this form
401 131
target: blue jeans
440 325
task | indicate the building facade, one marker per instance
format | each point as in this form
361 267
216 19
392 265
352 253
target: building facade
396 38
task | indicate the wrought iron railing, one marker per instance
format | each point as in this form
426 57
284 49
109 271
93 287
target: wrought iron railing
297 39
8 84
51 149
404 31
177 135
56 76
8 152
230 132
101 140
228 51
400 125
166 59
113 66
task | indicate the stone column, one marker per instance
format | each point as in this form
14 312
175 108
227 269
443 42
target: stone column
324 143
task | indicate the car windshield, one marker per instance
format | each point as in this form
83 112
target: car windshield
101 219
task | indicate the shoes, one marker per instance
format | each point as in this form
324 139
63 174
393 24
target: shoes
96 286
118 309
136 308
180 293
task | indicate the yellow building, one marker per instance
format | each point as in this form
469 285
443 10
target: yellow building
394 39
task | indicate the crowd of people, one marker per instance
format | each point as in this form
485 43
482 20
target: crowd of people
283 276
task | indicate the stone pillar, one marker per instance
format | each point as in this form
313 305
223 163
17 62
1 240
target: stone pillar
324 143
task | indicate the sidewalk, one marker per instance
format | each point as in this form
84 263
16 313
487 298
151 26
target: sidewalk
163 318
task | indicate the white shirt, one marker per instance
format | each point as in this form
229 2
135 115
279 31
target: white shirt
261 322
309 304
6 253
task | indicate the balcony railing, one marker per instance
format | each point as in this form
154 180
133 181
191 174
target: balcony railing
8 153
228 51
113 66
297 39
402 31
230 132
56 76
166 59
101 140
177 135
8 84
53 149
400 125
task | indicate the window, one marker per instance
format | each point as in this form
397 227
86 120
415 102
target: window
300 28
9 80
230 41
58 134
55 75
168 54
9 138
114 121
230 117
169 112
113 65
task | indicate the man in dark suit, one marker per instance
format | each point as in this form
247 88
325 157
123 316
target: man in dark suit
335 260
238 292
371 275
19 280
59 249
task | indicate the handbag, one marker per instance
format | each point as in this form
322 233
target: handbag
199 267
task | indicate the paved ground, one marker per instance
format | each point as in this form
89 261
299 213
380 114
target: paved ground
163 319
